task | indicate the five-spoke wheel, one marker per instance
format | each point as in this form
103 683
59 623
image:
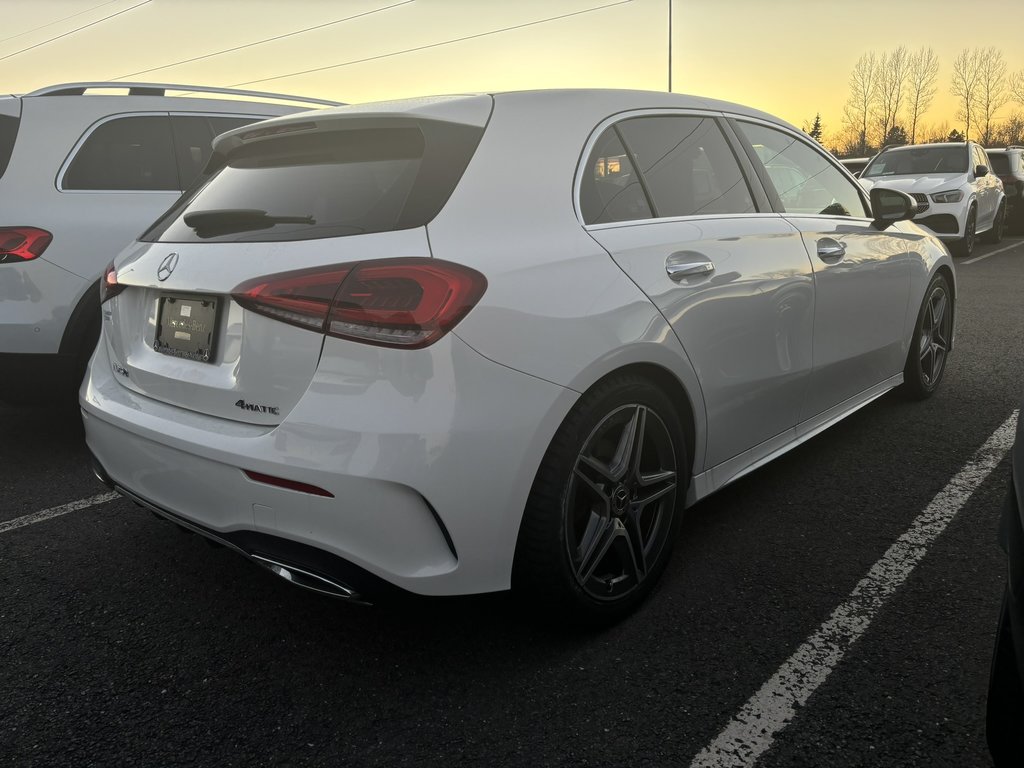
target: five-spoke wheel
605 505
933 334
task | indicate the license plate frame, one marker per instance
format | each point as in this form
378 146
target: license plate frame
186 326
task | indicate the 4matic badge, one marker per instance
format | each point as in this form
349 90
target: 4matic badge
273 410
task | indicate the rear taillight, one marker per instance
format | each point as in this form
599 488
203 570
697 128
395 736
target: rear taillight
109 287
22 243
406 302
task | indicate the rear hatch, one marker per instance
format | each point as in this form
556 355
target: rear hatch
222 306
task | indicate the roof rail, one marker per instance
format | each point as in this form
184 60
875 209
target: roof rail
160 89
1014 146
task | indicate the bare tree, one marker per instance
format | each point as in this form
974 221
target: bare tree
992 90
891 80
1017 86
924 72
863 93
966 74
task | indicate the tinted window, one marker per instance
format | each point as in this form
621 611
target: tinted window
193 138
129 153
687 165
917 161
609 189
326 184
8 133
999 163
805 180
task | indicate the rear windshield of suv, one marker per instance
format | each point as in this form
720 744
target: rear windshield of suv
8 133
364 177
918 161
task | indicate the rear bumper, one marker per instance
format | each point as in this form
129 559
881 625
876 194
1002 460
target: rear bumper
429 461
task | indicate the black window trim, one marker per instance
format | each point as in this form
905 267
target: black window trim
766 182
760 200
73 153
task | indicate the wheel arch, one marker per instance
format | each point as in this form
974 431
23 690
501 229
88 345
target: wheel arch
84 319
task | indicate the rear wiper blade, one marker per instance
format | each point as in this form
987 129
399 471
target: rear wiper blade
227 220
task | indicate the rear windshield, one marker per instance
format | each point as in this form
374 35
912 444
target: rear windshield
394 175
918 161
8 133
1000 163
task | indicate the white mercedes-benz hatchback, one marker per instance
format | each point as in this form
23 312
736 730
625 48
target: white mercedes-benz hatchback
460 344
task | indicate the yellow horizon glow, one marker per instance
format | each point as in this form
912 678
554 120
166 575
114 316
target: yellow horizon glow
791 58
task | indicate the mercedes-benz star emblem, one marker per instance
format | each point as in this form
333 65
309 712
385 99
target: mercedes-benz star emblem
166 266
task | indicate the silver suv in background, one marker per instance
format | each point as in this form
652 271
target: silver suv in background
957 196
84 168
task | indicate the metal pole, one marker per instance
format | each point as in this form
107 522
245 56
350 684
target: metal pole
670 46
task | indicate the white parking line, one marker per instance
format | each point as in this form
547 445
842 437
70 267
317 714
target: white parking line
63 509
767 712
993 253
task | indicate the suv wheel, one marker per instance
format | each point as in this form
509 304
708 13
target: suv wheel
995 235
965 245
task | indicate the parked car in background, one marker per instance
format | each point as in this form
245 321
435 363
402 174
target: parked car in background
1005 712
84 168
957 197
462 344
855 164
1008 165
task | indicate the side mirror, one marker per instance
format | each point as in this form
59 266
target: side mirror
980 170
890 205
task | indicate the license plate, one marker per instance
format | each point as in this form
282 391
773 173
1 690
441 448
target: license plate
186 326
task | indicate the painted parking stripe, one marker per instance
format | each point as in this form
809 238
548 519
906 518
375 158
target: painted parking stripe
753 730
993 253
63 509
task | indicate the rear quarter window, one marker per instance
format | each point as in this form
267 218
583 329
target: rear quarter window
125 154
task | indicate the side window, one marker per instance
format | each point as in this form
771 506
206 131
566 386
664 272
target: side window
609 189
687 165
806 181
193 139
980 158
128 153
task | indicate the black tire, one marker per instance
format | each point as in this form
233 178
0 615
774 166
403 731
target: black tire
929 346
995 235
1005 705
605 506
965 245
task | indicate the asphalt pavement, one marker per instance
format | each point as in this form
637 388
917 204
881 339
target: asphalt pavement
125 642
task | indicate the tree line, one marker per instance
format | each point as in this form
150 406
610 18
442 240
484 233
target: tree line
891 92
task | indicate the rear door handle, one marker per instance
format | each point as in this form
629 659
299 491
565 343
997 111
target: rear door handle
685 264
830 251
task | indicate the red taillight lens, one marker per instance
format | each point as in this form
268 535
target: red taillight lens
301 298
109 287
22 243
406 302
291 485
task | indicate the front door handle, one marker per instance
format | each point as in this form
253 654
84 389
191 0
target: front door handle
830 251
688 264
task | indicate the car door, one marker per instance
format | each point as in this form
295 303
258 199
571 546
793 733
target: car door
667 197
988 188
861 277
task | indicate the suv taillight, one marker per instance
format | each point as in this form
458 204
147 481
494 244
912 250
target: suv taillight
109 287
406 302
22 243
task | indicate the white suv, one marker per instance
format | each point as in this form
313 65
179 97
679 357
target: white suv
957 197
84 168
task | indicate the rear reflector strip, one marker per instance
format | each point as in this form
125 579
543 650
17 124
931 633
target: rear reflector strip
291 485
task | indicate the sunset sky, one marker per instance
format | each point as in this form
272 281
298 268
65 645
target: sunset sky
789 57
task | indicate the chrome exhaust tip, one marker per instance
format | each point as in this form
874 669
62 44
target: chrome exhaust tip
309 580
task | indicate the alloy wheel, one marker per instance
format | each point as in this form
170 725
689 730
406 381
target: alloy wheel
620 502
934 333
